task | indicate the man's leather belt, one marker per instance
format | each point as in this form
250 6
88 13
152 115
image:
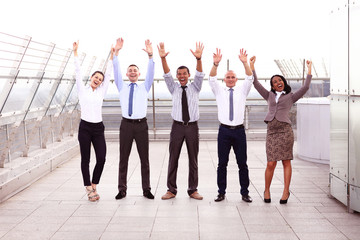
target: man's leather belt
233 127
134 120
185 124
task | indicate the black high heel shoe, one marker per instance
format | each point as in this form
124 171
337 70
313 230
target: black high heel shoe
284 201
267 200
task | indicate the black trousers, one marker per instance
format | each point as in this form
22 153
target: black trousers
92 133
138 131
235 138
190 134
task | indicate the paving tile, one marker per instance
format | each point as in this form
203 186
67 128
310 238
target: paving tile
176 224
264 228
76 235
322 236
126 235
28 235
60 209
5 227
174 235
88 220
94 227
273 236
132 224
224 235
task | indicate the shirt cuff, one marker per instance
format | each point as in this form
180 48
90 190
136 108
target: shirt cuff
199 74
167 74
213 78
250 78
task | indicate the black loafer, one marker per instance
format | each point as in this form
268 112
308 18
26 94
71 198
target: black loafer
148 194
247 198
220 197
120 195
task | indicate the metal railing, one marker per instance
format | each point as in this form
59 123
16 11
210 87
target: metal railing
39 104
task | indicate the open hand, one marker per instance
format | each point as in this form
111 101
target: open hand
112 51
198 51
75 46
148 47
162 52
243 56
217 56
119 44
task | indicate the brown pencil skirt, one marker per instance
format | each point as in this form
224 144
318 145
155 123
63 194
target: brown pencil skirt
279 141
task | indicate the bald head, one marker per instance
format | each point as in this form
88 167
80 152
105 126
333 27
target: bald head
230 79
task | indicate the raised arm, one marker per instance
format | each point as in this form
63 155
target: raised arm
301 92
243 58
75 48
149 79
109 69
117 73
212 79
197 54
167 76
216 60
249 79
199 76
78 74
262 91
163 54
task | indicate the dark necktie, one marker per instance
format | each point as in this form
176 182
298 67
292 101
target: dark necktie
185 108
130 109
231 112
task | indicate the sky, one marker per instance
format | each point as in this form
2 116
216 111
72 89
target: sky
269 29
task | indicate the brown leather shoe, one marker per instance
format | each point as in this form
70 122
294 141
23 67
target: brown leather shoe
196 196
168 195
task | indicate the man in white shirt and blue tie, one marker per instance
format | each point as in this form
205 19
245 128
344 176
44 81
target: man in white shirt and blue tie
133 101
231 108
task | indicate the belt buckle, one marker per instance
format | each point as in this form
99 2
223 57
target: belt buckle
186 124
232 127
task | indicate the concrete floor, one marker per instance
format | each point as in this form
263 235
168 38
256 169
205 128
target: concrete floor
56 206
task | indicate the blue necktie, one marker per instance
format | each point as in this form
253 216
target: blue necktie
130 110
231 112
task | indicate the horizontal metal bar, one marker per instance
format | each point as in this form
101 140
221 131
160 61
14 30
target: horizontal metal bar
162 80
13 36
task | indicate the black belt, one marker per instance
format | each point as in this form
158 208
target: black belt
233 127
185 124
135 120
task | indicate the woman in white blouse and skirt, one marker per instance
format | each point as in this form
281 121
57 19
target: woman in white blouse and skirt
91 129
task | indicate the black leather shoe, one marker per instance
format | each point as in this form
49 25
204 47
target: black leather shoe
284 201
247 198
267 200
120 195
148 194
220 197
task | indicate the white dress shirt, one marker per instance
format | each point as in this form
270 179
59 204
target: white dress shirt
278 94
192 96
91 100
141 90
222 95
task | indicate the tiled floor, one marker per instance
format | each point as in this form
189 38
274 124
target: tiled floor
56 207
